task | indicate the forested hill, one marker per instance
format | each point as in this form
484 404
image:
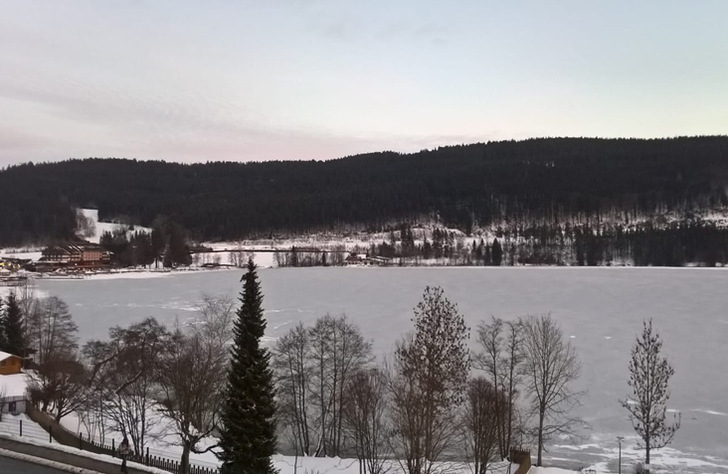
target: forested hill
526 181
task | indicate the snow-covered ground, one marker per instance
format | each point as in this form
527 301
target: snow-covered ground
10 424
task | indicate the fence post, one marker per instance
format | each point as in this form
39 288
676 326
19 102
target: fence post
50 434
21 428
113 447
80 441
147 457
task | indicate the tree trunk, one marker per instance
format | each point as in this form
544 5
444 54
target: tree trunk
647 456
184 464
540 436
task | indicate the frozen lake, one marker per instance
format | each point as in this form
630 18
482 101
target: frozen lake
600 309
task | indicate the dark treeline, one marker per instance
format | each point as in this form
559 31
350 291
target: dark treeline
533 181
686 242
167 243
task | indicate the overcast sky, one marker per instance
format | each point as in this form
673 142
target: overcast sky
307 79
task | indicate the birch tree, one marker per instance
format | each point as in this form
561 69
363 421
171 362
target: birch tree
366 414
550 366
293 383
480 428
501 360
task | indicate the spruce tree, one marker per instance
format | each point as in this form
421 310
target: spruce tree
3 324
497 253
248 438
13 327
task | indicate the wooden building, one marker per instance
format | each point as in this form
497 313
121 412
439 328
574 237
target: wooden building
77 254
10 364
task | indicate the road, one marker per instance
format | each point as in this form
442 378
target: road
13 466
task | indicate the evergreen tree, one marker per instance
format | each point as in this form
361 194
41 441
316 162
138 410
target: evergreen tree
497 253
649 374
248 438
3 337
157 245
12 327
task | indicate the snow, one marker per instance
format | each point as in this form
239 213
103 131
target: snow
78 452
549 470
10 425
13 385
44 462
100 227
284 464
4 355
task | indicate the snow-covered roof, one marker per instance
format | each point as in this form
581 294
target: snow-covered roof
5 355
13 385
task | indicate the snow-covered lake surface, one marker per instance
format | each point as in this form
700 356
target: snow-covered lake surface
600 310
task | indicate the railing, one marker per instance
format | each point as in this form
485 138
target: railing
167 464
63 436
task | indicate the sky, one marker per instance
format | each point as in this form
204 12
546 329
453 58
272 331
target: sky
238 80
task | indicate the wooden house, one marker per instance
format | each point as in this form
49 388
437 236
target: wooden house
10 364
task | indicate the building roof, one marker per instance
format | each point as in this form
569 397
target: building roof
5 355
14 385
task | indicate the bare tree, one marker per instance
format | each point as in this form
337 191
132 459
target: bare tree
512 364
27 301
59 382
59 385
550 365
430 374
480 428
51 330
314 367
366 414
649 374
123 377
321 337
239 257
215 321
338 350
293 381
490 338
501 360
192 381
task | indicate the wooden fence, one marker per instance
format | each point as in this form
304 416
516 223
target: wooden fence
522 457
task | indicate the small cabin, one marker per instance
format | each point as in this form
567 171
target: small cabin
10 364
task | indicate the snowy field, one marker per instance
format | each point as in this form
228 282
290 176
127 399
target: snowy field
600 309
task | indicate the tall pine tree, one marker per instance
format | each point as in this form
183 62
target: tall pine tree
12 328
248 438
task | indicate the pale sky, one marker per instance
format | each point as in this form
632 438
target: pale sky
306 79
